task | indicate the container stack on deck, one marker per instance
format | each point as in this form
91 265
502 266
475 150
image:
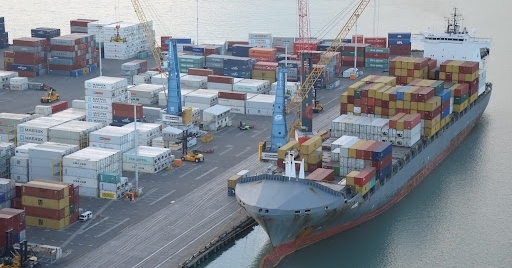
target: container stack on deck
45 32
148 159
124 40
73 132
49 204
399 44
4 36
100 93
79 25
190 61
348 54
30 56
131 68
84 167
309 151
12 220
238 67
45 160
407 69
20 163
73 55
376 57
6 153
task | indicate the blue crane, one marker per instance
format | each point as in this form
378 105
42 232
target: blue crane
173 80
279 133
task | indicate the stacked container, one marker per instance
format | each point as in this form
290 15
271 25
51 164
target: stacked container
45 160
112 185
19 163
190 61
263 54
376 42
162 97
407 69
45 32
69 113
18 83
4 36
240 50
265 71
308 45
97 28
7 192
238 67
83 168
374 95
143 78
193 81
36 130
79 25
362 180
132 68
216 117
215 63
12 221
8 60
463 72
146 132
260 39
219 82
260 105
124 40
145 94
360 126
6 152
180 42
404 129
290 89
311 152
284 42
293 69
202 50
73 55
350 51
152 114
47 204
100 93
202 98
399 44
30 56
376 57
148 159
254 86
292 145
58 107
123 113
73 132
233 100
111 137
460 96
191 115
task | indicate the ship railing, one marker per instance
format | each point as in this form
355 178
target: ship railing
444 37
284 179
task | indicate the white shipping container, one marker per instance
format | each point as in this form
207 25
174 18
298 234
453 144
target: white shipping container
51 150
236 110
256 111
73 130
107 101
10 119
23 138
92 158
252 86
104 122
151 169
162 96
19 170
99 107
21 178
193 81
18 86
22 151
113 135
260 35
121 147
39 126
210 97
18 80
215 113
229 102
78 104
106 83
219 86
19 161
70 114
80 181
113 187
261 102
145 91
100 115
90 192
201 106
105 93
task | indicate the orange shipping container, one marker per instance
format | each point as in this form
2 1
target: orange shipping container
262 52
321 174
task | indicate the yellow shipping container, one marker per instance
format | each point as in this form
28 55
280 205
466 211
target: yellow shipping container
281 152
350 177
313 158
400 104
434 121
378 110
414 105
266 74
385 95
442 76
418 73
233 180
421 106
432 74
403 72
392 105
400 123
473 97
407 105
410 79
50 184
380 93
310 145
368 79
408 93
363 190
44 202
391 112
350 107
413 111
352 88
425 83
344 97
9 60
353 149
410 64
47 223
432 103
460 107
430 131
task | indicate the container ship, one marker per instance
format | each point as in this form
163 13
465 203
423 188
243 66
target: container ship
392 132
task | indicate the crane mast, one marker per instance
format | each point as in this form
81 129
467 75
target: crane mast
308 83
148 33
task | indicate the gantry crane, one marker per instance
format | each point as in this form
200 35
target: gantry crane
303 106
170 64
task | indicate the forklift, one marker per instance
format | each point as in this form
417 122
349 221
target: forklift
13 259
244 126
50 95
194 155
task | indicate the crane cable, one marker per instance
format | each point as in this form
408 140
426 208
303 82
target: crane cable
335 21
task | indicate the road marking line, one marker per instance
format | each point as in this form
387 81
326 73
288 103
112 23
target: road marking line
239 134
226 151
188 172
258 133
182 234
206 173
85 230
162 197
243 152
113 227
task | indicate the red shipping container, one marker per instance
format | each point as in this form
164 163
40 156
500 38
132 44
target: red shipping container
357 38
376 55
30 42
378 165
280 163
378 103
432 64
360 151
371 101
371 110
126 110
25 73
357 47
445 105
384 112
384 104
313 167
412 120
343 108
9 54
43 191
200 72
59 106
365 176
461 89
350 99
364 109
424 94
231 95
357 102
321 174
15 217
307 45
220 79
16 203
265 66
431 115
351 63
29 61
376 40
19 189
230 44
367 152
54 214
394 119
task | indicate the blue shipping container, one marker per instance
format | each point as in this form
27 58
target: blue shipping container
77 73
445 112
399 36
62 61
393 42
384 171
2 197
188 48
400 92
289 64
4 35
445 95
237 74
23 67
2 27
382 151
181 40
198 49
60 73
93 67
2 20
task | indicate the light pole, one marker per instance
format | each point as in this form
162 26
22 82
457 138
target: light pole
100 28
197 22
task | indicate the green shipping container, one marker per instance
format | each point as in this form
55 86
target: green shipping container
352 53
357 93
372 182
192 59
190 65
109 177
376 65
448 85
438 86
378 50
184 70
373 60
461 99
336 168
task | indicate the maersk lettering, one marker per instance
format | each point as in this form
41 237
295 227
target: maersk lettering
32 130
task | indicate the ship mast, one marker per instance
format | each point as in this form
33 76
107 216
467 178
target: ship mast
453 25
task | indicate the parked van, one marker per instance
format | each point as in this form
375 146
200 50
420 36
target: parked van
85 216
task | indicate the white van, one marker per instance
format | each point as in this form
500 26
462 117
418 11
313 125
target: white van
85 216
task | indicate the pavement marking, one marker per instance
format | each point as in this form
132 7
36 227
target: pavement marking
330 101
241 133
113 227
87 229
168 194
258 133
188 172
144 194
243 152
85 225
204 174
226 151
199 236
184 233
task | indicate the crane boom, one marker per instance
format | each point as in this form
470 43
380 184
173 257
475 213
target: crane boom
316 71
148 33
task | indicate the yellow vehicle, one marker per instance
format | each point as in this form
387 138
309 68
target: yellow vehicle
318 107
50 96
193 156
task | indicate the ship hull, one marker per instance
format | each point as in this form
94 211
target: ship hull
295 234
